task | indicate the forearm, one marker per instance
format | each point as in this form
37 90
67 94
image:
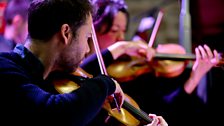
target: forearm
87 99
130 48
117 49
192 83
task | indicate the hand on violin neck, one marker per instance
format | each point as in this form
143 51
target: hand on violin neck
205 60
131 48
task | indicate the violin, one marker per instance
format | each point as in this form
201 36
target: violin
169 61
175 64
130 113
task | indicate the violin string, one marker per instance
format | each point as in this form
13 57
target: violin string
138 112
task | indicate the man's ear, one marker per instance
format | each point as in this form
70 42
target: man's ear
66 33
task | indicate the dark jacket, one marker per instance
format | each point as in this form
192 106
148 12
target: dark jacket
30 100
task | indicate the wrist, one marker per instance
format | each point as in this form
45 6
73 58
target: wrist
117 49
191 84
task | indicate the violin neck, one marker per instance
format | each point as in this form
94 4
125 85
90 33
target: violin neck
176 57
137 112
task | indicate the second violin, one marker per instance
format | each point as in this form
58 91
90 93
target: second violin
169 61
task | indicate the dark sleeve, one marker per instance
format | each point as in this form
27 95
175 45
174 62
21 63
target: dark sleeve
78 107
91 64
178 95
81 105
180 103
181 106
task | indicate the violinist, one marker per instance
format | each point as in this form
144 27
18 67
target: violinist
155 94
58 33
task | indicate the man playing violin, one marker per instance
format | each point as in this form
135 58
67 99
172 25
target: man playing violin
57 41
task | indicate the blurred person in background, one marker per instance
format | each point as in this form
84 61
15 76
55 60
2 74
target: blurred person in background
15 31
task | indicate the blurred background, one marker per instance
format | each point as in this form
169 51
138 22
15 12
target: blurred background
169 27
207 20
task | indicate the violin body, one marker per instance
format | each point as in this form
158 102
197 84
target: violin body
169 61
126 69
170 68
122 118
66 85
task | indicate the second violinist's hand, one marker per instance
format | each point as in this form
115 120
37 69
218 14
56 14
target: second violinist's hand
137 49
205 60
